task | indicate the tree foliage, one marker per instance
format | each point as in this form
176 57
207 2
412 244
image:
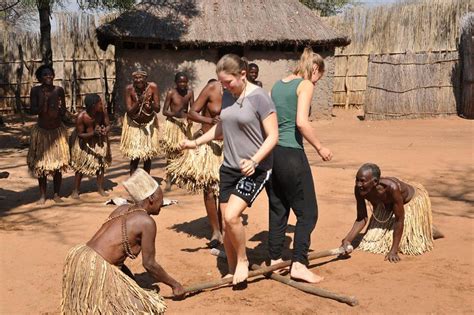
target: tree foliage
327 7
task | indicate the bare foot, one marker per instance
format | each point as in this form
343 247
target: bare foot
301 272
241 272
103 193
276 262
57 199
41 201
75 194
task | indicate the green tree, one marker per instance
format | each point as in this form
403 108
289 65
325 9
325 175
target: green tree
327 7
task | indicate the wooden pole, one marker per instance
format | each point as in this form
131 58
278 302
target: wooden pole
350 300
261 271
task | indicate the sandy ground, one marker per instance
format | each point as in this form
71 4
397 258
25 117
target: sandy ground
436 152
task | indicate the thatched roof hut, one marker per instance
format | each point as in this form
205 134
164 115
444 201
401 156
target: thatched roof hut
200 31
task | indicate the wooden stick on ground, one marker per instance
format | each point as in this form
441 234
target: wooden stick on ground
261 271
351 300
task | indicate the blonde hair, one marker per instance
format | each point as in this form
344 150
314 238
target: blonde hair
231 64
305 64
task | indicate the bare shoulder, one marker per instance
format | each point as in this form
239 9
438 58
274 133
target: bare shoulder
129 87
35 89
59 89
153 85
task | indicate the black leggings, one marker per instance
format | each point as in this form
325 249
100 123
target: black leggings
291 186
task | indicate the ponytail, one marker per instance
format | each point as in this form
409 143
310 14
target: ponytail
232 64
305 64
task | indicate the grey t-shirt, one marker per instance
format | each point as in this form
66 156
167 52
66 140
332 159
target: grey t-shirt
243 129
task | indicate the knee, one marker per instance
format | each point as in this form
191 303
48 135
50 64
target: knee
231 219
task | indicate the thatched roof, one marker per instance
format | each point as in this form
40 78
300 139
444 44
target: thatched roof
216 23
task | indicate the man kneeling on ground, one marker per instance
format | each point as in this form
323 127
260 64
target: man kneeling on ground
95 278
401 216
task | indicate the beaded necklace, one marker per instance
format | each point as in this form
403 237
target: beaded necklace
125 242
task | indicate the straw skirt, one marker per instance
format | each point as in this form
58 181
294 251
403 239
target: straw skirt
174 132
49 151
198 170
91 285
417 236
88 156
140 141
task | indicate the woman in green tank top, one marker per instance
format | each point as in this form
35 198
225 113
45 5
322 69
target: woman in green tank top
291 185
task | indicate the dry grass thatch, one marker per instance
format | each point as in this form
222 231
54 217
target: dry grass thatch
219 23
425 25
78 62
411 85
411 26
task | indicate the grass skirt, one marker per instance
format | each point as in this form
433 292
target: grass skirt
91 285
140 141
198 170
88 156
49 151
417 236
174 132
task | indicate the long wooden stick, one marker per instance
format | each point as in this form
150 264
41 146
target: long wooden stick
351 300
261 271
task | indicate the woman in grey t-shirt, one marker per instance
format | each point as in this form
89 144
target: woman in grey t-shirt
250 130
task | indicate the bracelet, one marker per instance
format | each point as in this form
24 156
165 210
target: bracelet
255 164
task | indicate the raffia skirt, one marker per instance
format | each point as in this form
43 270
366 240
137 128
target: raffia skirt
417 236
49 151
87 157
174 132
140 141
198 170
91 285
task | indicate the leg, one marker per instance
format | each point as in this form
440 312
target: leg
147 165
42 188
168 182
306 211
228 247
210 203
100 182
77 185
133 166
57 179
236 233
278 221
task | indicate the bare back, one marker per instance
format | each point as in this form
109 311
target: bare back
108 241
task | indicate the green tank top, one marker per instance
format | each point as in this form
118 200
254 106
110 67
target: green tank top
285 99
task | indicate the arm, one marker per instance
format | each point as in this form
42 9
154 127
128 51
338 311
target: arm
81 130
270 125
149 262
214 133
130 104
359 223
106 120
198 106
62 100
167 104
305 95
399 212
156 98
191 102
34 106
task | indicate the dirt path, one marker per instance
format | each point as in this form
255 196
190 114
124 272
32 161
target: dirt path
436 152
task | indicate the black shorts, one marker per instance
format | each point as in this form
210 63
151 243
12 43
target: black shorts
232 182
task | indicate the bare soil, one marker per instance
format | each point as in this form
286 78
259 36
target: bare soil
435 152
